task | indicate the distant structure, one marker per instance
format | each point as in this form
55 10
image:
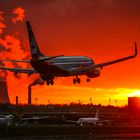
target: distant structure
109 101
4 98
116 101
134 104
34 83
16 100
29 95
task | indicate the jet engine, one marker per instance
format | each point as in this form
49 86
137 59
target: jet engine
93 73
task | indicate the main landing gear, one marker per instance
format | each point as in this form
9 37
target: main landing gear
76 80
49 79
50 82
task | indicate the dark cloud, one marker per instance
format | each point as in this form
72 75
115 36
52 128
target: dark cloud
71 9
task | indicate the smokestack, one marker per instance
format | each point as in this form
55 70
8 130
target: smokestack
36 82
4 98
29 95
16 100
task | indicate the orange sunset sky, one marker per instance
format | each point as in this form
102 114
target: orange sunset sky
101 29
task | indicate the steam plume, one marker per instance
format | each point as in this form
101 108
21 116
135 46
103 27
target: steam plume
38 81
2 25
12 47
20 14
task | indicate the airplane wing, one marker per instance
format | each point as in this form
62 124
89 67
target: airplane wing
101 65
19 70
103 121
25 61
70 121
34 118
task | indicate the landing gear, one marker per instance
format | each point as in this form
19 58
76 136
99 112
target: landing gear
49 79
76 80
88 80
50 82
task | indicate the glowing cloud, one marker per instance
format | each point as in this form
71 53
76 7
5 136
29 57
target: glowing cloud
20 14
11 47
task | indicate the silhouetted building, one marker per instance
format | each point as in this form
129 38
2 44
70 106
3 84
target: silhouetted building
134 104
4 98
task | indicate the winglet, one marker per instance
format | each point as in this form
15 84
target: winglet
136 50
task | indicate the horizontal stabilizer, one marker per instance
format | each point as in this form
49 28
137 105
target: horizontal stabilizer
24 61
19 70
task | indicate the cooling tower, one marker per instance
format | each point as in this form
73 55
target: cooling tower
4 98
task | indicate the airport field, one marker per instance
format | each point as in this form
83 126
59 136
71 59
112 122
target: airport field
71 131
124 124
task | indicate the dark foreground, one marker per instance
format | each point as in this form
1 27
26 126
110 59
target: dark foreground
69 132
124 125
75 137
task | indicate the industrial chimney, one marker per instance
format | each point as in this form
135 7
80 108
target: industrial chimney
29 95
35 82
4 98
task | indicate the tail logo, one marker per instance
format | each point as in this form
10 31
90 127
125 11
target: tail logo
33 46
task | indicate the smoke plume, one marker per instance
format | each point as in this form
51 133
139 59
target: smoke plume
2 25
37 81
19 14
12 47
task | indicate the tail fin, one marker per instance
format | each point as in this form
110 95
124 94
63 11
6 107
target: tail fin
97 114
35 52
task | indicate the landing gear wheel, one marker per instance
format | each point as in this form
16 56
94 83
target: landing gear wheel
74 81
78 80
88 80
50 82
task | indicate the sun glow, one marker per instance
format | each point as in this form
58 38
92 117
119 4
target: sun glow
135 94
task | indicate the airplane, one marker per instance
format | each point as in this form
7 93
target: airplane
90 120
9 120
33 119
49 119
50 67
6 120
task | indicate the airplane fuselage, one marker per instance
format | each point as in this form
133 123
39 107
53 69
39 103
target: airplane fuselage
88 120
63 66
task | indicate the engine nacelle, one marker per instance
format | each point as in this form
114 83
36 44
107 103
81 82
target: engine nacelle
93 73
